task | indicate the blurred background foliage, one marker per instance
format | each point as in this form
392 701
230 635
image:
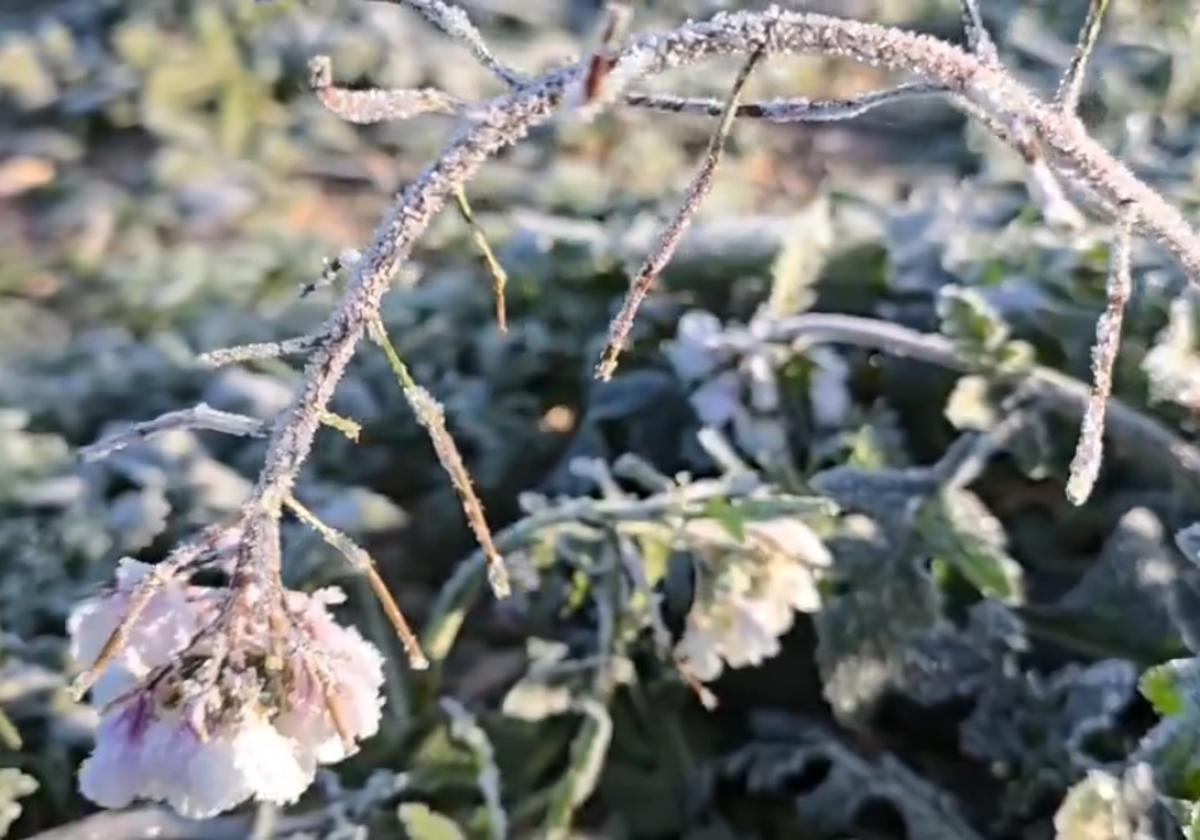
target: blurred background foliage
167 184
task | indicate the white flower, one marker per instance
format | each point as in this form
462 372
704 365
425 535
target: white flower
748 593
203 732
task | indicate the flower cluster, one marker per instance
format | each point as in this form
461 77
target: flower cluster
221 695
747 592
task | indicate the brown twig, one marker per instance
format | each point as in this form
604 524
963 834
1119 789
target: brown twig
495 269
361 561
672 235
431 416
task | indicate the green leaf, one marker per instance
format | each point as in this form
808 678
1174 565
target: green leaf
955 526
1172 749
730 518
422 823
1173 687
841 785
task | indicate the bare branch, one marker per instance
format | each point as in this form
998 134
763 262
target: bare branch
300 346
1069 397
200 416
453 21
362 561
430 415
791 109
376 104
1071 86
499 275
1089 452
668 241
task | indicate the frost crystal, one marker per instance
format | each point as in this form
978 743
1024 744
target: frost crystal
205 719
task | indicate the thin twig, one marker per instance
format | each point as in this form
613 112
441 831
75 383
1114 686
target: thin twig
789 109
454 22
495 269
1071 86
668 241
1056 391
376 104
977 35
350 428
1089 452
199 417
361 561
430 415
300 346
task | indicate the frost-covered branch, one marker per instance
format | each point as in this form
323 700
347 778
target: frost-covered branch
977 35
1085 466
789 109
199 417
376 105
454 22
256 352
1058 392
672 235
1071 86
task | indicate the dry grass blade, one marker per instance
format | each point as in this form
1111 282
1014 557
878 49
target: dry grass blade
499 275
430 415
361 560
668 241
376 104
1089 452
1071 86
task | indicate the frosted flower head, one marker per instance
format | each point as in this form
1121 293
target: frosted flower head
221 696
747 593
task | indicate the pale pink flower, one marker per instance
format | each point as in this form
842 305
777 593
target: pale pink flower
167 625
205 734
